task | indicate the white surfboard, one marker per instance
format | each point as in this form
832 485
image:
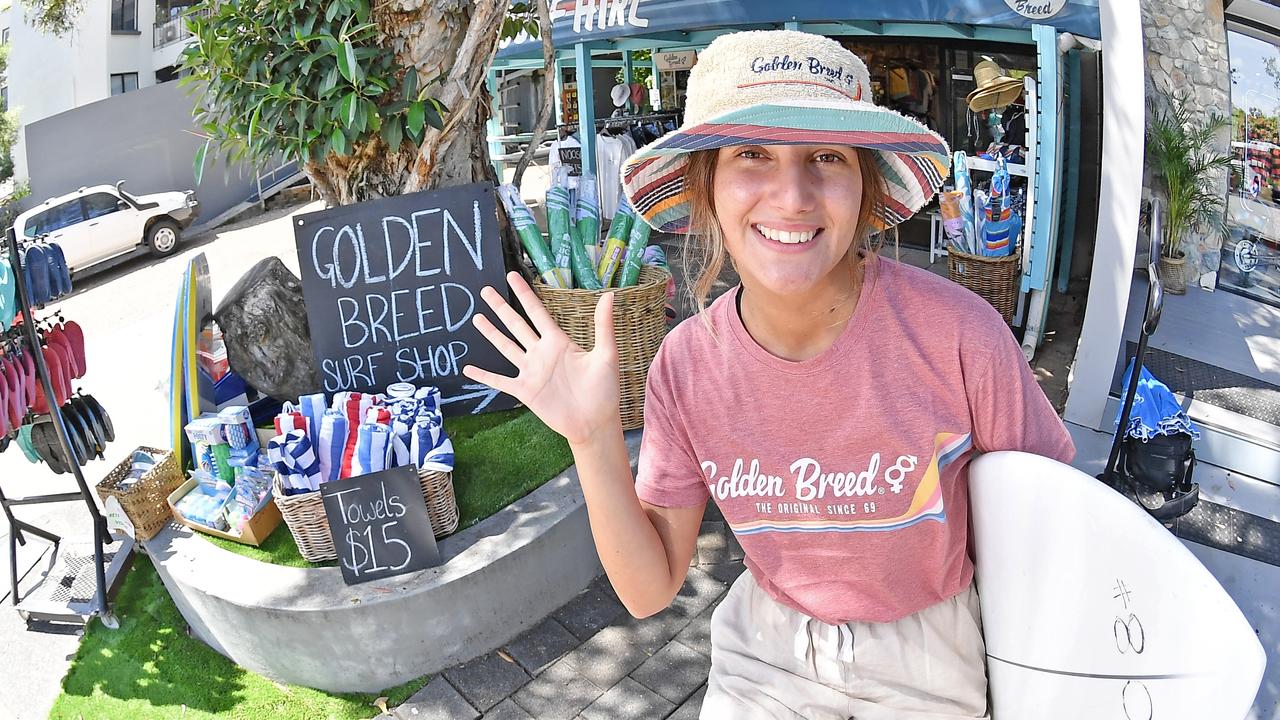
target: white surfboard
1092 609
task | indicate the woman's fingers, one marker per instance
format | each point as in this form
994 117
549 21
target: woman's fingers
501 383
511 351
516 324
604 324
533 306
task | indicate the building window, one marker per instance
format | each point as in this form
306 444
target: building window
1248 265
124 15
123 83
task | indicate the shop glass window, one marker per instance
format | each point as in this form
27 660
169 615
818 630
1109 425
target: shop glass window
99 204
123 83
124 15
1251 250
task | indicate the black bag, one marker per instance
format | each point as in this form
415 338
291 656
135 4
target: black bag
1162 464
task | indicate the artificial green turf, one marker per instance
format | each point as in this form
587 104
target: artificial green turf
151 668
499 457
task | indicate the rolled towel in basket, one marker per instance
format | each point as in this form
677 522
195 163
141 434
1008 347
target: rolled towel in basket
333 442
431 448
373 449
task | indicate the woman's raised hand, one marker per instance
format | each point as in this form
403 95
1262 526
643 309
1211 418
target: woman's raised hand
573 391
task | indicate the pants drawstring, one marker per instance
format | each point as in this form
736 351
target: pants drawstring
841 636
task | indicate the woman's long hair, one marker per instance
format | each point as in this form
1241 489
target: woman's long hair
704 252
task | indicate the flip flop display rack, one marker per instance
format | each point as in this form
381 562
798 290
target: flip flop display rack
40 359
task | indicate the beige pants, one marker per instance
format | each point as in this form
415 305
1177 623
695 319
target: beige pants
771 662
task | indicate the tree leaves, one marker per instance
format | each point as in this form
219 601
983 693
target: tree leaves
347 64
290 80
415 118
198 163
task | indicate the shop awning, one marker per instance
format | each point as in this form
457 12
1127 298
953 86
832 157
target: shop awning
576 21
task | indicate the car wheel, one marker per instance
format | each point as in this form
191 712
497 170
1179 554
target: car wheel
163 237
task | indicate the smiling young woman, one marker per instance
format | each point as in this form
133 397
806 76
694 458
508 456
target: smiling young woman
829 405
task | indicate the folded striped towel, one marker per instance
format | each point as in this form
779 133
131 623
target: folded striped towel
295 460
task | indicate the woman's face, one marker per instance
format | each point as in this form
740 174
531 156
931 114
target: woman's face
789 212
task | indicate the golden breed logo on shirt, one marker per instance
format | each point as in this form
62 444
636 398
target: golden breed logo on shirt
841 501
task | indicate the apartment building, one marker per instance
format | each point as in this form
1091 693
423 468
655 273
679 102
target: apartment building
116 47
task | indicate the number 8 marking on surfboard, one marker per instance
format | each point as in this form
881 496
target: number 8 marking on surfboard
1134 696
1132 629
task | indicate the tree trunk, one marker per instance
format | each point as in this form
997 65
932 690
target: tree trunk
458 38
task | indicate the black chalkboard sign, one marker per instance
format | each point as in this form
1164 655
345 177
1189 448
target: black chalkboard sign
391 286
572 156
379 525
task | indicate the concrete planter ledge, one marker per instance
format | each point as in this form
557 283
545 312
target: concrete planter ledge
306 627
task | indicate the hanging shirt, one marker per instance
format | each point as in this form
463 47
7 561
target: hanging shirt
610 152
845 476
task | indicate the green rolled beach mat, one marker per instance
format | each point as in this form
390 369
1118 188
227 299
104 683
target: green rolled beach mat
530 235
584 270
637 241
588 215
615 244
620 226
559 224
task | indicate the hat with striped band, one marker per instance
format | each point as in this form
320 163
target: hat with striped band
782 87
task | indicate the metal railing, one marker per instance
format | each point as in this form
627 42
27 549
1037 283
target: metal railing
175 29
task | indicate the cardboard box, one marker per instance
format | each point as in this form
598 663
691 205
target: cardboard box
256 531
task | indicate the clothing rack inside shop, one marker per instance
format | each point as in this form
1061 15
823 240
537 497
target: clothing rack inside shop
65 593
569 128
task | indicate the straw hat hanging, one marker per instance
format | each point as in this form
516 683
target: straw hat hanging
995 89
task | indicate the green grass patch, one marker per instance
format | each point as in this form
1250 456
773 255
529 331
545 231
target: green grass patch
150 668
499 458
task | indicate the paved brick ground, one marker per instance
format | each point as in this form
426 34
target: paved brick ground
590 660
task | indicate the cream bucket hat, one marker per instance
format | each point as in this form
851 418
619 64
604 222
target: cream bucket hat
781 87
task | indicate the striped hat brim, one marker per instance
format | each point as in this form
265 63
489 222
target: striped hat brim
913 159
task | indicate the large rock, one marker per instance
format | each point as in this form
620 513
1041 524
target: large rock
264 324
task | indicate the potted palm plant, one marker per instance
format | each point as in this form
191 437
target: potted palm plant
1180 147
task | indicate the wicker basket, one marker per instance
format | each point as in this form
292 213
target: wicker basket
145 501
442 505
994 279
304 514
639 325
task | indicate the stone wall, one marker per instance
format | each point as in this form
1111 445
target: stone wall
1186 53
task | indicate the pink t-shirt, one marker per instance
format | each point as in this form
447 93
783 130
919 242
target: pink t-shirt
844 476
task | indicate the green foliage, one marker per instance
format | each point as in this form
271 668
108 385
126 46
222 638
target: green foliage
53 16
521 17
641 70
10 206
301 79
1181 149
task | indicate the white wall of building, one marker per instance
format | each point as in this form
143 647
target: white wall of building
49 74
131 52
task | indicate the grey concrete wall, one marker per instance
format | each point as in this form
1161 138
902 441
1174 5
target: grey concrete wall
145 138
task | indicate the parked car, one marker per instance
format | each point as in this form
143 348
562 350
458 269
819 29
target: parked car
99 223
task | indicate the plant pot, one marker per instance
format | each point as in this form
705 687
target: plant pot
1173 274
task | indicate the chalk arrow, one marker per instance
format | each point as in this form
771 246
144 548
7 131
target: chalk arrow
479 391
